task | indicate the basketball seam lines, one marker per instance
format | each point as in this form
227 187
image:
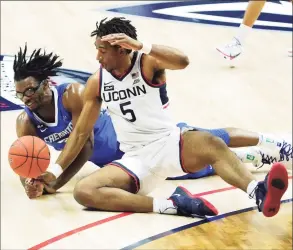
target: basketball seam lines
24 147
39 158
41 149
31 157
21 164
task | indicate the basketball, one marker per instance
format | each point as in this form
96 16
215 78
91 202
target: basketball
29 156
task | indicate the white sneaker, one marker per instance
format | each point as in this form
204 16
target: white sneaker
249 155
231 50
283 153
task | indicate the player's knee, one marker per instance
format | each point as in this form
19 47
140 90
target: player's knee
216 143
86 194
82 193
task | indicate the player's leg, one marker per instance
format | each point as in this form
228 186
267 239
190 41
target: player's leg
231 136
201 148
114 188
258 148
252 12
234 48
237 137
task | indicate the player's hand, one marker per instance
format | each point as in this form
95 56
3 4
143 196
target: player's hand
122 40
33 188
47 179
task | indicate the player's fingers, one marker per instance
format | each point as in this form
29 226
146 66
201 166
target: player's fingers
108 38
28 181
31 189
115 42
32 186
40 187
32 195
118 42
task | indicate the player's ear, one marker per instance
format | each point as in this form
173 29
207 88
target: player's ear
121 51
46 84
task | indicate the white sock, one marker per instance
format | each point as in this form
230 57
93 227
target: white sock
242 33
163 206
268 141
247 155
251 188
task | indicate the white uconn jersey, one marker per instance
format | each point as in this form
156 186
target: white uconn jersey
135 106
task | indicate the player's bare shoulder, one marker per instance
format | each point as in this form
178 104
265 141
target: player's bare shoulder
24 125
149 66
75 88
72 96
94 79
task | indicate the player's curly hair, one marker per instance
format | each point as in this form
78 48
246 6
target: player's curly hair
115 25
39 65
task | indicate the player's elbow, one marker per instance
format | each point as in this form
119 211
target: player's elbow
87 149
184 62
82 136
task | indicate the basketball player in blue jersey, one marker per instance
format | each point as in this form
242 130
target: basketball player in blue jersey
51 114
154 146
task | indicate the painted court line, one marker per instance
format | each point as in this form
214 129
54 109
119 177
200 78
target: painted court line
115 217
77 230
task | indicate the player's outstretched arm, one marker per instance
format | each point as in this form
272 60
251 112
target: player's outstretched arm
165 57
73 102
84 124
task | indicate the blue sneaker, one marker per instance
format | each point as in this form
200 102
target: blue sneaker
191 206
269 192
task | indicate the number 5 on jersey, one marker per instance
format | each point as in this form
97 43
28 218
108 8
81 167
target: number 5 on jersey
127 111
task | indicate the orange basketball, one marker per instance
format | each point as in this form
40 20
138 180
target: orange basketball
29 156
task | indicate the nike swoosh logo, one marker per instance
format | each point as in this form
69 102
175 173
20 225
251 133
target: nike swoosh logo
232 57
106 83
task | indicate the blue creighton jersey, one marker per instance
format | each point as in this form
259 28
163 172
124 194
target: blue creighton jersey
55 134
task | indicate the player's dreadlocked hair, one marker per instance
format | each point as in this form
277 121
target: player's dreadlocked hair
39 65
115 25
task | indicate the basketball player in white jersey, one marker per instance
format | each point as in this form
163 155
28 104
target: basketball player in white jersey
154 147
50 112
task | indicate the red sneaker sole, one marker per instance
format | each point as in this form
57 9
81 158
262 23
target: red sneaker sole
277 184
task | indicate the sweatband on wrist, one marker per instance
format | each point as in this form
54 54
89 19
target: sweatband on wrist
55 169
146 48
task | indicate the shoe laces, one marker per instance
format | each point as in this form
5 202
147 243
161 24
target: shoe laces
254 194
266 159
234 43
286 151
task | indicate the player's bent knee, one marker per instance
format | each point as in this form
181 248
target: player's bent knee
86 191
208 140
200 149
90 191
216 142
83 193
